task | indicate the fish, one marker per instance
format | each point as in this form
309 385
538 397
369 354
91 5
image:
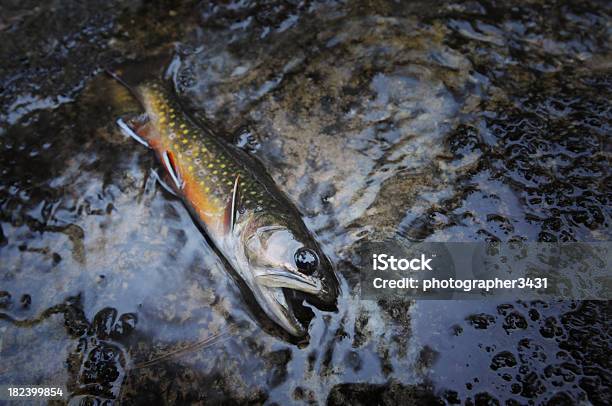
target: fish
253 224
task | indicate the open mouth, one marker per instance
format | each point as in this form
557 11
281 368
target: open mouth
281 278
284 293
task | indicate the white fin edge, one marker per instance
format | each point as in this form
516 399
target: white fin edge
163 184
234 203
126 130
176 177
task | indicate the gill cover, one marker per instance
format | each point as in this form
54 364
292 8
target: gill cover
271 254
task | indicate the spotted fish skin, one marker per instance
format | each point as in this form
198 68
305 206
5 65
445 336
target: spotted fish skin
208 167
253 224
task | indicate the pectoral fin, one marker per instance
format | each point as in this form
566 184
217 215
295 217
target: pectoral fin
231 210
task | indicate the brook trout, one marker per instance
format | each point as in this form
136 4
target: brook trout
252 223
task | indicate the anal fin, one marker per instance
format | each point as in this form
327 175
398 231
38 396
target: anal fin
164 184
172 170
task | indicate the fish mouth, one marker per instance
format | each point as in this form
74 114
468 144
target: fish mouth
274 285
281 278
280 310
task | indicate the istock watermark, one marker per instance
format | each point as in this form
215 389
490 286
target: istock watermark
382 262
517 270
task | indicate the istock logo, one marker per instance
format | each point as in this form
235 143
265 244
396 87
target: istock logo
383 262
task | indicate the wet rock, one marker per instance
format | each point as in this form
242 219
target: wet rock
504 359
26 300
5 299
392 393
278 361
550 328
125 325
481 321
104 321
515 320
426 359
98 363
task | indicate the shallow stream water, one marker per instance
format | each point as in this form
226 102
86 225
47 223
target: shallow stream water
444 121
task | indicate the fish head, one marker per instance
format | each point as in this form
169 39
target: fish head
287 267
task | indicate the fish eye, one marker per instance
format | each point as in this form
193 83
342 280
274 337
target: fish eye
306 260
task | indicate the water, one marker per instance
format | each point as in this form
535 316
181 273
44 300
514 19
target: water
455 122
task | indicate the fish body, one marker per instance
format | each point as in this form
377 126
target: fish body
254 225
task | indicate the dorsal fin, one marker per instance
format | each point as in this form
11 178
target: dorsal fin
232 207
